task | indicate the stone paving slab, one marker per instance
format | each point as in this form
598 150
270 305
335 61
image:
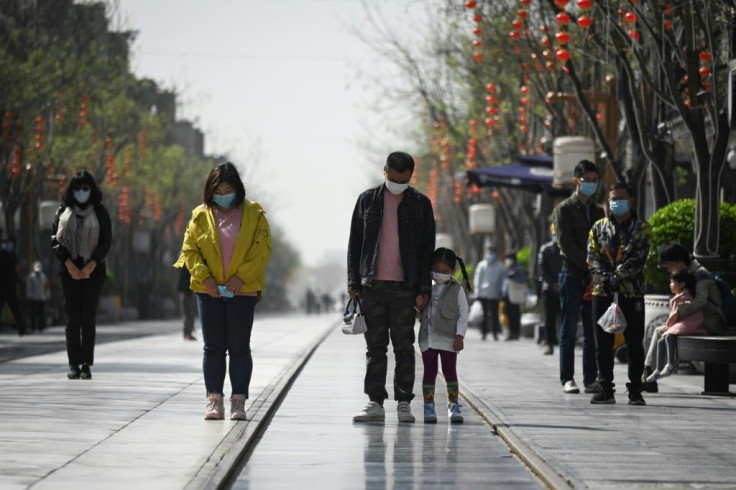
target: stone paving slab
138 422
679 440
313 443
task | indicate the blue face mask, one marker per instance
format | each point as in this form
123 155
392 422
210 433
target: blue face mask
81 195
588 188
224 200
619 208
8 247
491 257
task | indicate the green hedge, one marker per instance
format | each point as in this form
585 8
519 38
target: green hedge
676 223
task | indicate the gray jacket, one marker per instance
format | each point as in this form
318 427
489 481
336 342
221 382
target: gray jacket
708 299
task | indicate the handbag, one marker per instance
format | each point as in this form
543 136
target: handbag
354 319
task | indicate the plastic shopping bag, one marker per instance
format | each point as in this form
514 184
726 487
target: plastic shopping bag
613 320
353 319
475 315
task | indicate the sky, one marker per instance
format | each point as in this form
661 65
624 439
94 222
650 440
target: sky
276 85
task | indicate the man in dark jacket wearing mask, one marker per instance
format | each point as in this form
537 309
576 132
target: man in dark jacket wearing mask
9 281
392 237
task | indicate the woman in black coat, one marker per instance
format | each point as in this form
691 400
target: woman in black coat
82 234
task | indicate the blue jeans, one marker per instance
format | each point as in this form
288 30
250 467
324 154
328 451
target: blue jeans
573 306
226 325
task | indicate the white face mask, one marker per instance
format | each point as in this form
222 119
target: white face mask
395 188
440 278
508 263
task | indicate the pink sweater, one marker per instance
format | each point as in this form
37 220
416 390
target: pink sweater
388 262
689 325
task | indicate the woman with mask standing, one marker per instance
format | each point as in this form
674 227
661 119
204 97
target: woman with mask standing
226 247
81 238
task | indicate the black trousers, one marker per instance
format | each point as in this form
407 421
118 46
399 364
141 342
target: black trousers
513 312
388 307
633 310
80 305
491 321
9 295
551 302
38 318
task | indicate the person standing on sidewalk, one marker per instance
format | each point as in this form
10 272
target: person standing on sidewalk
82 236
9 281
226 247
573 218
617 250
550 265
37 292
514 288
188 303
488 284
392 235
443 325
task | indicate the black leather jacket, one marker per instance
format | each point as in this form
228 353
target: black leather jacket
416 239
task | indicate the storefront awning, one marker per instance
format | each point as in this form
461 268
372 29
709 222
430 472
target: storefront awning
532 173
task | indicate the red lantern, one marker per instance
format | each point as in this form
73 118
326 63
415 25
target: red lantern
524 129
524 90
514 35
706 86
562 37
477 43
477 18
491 99
667 10
522 119
477 31
562 19
704 56
547 53
524 101
526 3
517 24
634 35
668 24
471 4
704 71
478 56
599 117
561 3
562 54
490 122
585 4
545 42
584 21
544 29
491 87
473 122
523 14
631 17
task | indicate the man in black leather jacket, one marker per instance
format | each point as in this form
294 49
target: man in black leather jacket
392 237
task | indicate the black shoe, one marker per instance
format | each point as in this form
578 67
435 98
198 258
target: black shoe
85 373
603 397
650 387
635 397
73 373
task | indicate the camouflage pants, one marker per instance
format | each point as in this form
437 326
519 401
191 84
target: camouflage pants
389 312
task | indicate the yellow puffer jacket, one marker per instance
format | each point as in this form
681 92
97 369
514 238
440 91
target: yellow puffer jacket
200 252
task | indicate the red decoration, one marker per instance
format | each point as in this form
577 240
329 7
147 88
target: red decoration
704 56
477 43
517 24
477 31
478 56
562 37
562 3
491 99
477 18
562 54
523 14
562 19
634 35
668 24
545 42
704 71
471 4
631 17
524 129
491 87
667 10
585 4
526 3
524 90
514 35
584 21
544 29
524 100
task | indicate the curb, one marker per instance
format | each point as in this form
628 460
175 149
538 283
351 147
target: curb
539 464
228 456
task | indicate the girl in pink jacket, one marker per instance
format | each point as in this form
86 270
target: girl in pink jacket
681 283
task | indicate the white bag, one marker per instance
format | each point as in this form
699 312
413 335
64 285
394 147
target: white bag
354 320
516 292
613 320
475 315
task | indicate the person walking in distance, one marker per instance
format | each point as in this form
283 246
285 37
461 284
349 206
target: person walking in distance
9 281
82 236
441 334
550 264
188 303
226 247
488 284
573 218
37 292
392 236
514 288
617 250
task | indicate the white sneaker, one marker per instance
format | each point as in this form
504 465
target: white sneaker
652 378
592 387
404 412
215 407
570 387
668 369
373 412
453 412
237 407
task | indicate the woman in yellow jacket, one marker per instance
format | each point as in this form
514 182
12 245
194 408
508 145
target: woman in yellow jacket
226 248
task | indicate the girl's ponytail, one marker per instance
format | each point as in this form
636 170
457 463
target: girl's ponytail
465 274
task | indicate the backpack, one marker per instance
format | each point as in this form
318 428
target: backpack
729 300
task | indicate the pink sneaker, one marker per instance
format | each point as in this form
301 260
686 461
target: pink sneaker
237 407
215 407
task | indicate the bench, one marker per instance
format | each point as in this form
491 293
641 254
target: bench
717 352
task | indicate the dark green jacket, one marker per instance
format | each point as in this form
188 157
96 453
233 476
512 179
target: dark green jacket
572 227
